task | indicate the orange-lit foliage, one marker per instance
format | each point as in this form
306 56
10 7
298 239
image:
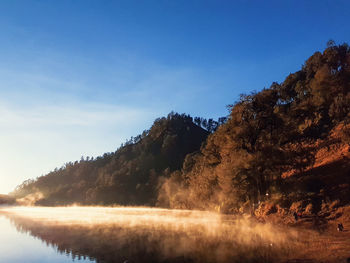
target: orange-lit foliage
269 133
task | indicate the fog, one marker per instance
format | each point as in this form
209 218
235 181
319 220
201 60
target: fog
141 234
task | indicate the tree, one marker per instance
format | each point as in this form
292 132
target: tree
330 43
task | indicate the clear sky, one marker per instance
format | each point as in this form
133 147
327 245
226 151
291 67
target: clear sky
79 77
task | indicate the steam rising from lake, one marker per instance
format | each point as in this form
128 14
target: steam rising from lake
160 235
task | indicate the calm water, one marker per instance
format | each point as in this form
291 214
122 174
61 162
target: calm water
97 234
19 246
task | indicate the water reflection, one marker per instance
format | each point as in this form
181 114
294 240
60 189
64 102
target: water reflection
19 247
150 235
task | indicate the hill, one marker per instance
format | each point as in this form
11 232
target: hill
286 146
129 176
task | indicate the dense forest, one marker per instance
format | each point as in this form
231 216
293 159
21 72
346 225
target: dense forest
231 165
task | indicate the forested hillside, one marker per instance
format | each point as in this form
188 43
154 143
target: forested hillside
130 175
274 146
271 134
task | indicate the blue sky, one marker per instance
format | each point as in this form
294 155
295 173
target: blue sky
79 77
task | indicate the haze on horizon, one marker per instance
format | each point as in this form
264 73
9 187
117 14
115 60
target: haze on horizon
77 78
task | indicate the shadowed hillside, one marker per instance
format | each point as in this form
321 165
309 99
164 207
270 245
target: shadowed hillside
128 176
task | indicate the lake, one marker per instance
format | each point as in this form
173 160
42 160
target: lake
19 246
134 234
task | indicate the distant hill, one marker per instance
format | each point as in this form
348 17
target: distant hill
129 176
6 200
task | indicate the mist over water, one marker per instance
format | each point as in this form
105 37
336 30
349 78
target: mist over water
152 235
